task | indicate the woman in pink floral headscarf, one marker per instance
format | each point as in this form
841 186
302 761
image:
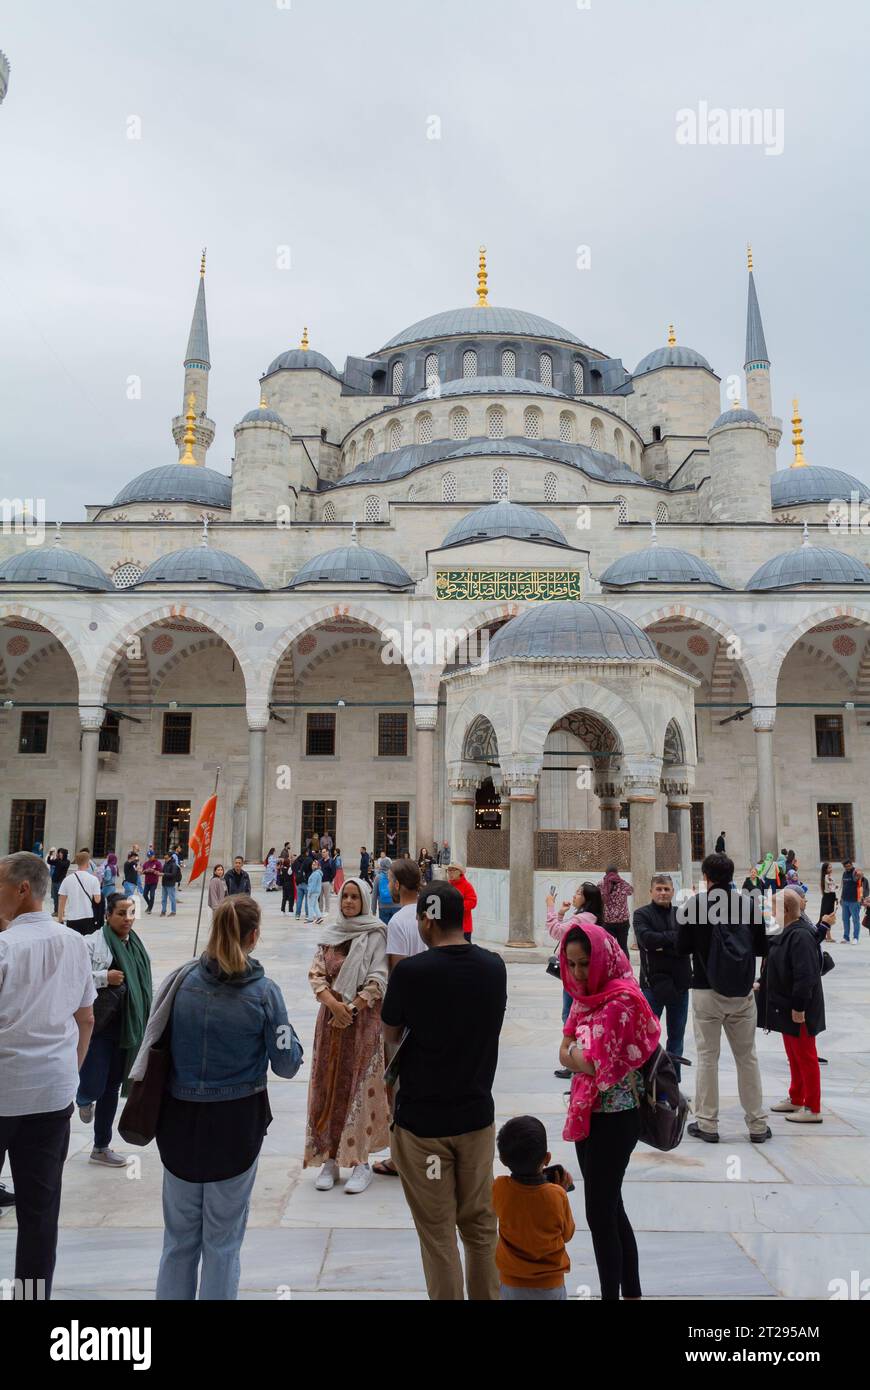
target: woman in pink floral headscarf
610 1032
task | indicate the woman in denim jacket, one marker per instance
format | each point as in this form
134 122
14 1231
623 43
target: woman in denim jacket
229 1022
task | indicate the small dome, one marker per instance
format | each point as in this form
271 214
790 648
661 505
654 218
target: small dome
200 564
736 417
660 564
791 486
352 564
302 360
490 386
571 632
261 415
178 482
503 519
676 356
810 564
476 322
53 564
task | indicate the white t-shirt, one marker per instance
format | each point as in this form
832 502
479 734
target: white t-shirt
403 934
45 976
79 895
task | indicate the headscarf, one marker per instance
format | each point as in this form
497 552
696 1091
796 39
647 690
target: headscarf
366 959
112 861
610 1019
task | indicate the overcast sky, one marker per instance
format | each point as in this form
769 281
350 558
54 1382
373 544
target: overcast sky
305 124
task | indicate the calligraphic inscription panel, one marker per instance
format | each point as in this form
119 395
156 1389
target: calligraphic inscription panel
489 585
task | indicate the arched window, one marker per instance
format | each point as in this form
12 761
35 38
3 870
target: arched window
633 454
424 428
621 509
431 369
373 509
578 378
329 512
369 445
596 434
508 362
395 436
619 445
412 492
661 511
532 422
126 574
545 366
551 487
351 458
448 487
566 427
469 363
459 423
495 422
398 378
500 485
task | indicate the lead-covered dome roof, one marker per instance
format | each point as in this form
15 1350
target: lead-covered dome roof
54 564
200 564
507 519
178 482
490 386
677 356
791 486
262 415
660 564
810 564
738 416
475 321
352 564
571 632
302 359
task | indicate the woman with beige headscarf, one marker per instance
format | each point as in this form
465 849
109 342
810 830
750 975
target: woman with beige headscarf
348 1114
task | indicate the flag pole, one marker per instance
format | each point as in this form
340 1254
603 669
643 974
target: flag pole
202 889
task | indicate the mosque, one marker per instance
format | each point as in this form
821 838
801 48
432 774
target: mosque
654 632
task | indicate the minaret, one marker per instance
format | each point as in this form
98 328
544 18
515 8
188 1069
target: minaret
196 369
757 364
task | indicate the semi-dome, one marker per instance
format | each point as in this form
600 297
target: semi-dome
302 359
809 564
476 321
504 519
791 486
352 564
200 564
660 564
178 482
262 415
490 386
676 355
571 632
54 564
738 416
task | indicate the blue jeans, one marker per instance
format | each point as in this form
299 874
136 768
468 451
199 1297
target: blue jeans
851 913
100 1080
677 1011
567 1001
508 1293
301 899
207 1221
168 895
129 888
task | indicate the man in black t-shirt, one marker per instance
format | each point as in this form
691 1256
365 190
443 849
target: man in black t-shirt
451 1000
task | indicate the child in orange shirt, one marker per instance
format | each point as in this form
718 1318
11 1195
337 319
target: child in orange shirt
534 1215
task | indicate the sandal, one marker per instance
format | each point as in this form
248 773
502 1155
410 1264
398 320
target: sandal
384 1168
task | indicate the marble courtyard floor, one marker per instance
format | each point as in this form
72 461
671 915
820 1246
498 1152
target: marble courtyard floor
736 1220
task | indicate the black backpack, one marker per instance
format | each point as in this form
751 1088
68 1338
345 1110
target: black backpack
731 958
663 1107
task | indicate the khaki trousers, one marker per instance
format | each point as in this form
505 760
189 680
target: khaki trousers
711 1013
448 1185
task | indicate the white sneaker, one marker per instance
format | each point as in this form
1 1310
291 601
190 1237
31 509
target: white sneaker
785 1107
108 1158
327 1176
805 1117
359 1178
86 1113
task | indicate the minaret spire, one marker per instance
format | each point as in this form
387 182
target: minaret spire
757 363
756 347
197 365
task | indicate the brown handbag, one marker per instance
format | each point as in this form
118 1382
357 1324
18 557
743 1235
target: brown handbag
141 1114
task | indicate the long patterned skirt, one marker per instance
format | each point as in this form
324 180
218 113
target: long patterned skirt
348 1115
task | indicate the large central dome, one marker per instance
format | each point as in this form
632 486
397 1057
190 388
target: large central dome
475 320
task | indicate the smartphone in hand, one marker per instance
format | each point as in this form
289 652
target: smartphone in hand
557 1174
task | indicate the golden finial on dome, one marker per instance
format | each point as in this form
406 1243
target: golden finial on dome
264 404
202 263
735 404
189 433
672 337
482 301
304 344
797 437
749 256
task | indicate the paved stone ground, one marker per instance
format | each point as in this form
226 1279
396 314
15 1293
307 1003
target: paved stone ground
732 1221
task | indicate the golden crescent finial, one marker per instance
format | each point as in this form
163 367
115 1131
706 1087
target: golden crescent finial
797 437
749 256
304 344
672 337
482 300
189 433
202 263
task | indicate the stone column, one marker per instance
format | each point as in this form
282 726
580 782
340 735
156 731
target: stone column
504 793
677 789
91 720
763 720
463 785
425 721
643 780
610 792
257 725
523 792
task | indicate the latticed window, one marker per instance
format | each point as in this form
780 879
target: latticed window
448 487
395 436
469 363
125 575
566 427
550 487
161 515
500 485
412 492
432 369
661 511
329 512
578 378
398 377
621 509
373 509
508 362
369 445
546 369
595 434
392 735
495 422
532 423
459 424
320 735
424 428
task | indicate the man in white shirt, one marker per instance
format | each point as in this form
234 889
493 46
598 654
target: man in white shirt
46 1020
403 934
79 892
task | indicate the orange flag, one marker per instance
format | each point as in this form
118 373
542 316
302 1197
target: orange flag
200 840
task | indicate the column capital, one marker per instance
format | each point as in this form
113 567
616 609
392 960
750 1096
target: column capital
677 783
425 717
643 778
257 717
91 718
763 718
